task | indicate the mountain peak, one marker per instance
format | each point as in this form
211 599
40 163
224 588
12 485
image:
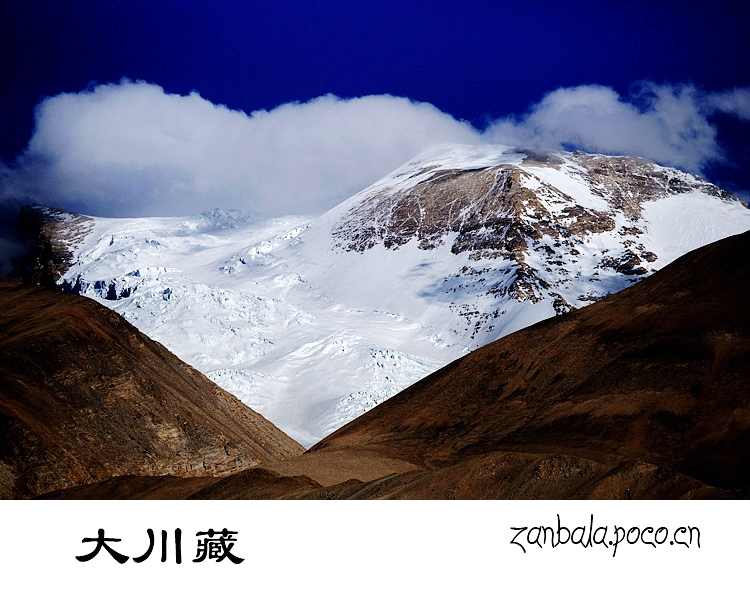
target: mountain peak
530 225
458 247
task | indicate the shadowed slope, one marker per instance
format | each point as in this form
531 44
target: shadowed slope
85 396
498 475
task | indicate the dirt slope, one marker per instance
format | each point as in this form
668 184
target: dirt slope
84 396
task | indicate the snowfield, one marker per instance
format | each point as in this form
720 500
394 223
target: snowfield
312 335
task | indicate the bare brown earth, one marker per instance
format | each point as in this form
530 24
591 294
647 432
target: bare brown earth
84 397
645 394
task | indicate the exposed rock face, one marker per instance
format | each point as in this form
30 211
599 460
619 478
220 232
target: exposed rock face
56 233
628 182
486 208
84 396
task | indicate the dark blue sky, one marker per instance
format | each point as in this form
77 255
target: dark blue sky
476 60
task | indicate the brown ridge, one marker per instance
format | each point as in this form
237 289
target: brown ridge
85 396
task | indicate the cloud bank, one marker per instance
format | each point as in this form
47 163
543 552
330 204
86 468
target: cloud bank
131 149
666 123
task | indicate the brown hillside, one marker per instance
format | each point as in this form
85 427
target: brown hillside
84 396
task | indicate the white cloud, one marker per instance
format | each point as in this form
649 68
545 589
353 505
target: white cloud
666 123
734 102
132 149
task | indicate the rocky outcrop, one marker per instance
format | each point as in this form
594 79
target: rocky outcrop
487 209
56 233
627 182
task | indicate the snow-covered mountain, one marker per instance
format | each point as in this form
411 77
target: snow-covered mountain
312 321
